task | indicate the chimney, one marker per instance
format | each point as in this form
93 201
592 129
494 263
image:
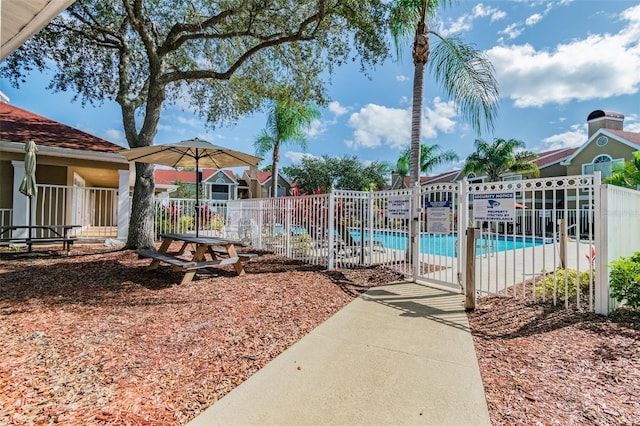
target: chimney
600 119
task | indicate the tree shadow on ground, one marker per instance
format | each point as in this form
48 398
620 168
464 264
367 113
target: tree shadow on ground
508 318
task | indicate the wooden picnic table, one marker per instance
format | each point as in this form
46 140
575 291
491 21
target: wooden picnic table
221 250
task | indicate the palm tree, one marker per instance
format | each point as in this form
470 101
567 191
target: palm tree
628 175
467 74
286 122
430 158
496 158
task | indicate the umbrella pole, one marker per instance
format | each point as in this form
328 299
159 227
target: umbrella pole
197 196
30 221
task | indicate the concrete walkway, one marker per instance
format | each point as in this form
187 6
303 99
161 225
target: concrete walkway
398 354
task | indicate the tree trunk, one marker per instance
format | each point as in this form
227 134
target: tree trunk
141 233
416 122
274 170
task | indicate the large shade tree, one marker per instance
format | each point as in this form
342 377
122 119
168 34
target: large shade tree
464 72
493 159
431 156
221 59
314 175
286 122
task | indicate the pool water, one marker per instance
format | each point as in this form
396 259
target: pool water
446 244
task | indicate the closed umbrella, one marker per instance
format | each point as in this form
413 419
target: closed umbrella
196 153
28 184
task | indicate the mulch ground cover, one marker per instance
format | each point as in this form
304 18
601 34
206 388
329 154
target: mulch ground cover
546 365
94 339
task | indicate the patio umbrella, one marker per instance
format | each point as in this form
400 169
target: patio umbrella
196 153
28 184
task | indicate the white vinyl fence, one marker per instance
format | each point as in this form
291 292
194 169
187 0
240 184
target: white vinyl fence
621 232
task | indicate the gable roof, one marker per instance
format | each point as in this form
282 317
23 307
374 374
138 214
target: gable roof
448 176
545 159
631 139
261 176
20 125
549 158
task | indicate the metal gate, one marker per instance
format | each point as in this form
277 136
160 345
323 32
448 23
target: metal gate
547 251
439 237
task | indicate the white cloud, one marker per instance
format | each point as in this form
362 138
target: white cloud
482 11
465 22
576 136
376 125
512 31
533 19
193 122
631 123
402 78
337 109
597 67
316 128
295 156
438 119
115 136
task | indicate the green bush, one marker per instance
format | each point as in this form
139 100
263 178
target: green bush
624 279
301 243
546 285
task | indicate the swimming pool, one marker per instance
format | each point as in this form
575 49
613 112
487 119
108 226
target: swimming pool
446 244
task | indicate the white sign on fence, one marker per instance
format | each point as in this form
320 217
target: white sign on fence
438 217
494 207
399 207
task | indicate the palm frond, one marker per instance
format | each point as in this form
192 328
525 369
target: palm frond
468 78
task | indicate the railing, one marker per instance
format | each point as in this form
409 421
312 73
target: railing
6 217
94 210
546 253
177 215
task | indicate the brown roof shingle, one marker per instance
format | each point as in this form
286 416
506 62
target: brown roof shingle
20 125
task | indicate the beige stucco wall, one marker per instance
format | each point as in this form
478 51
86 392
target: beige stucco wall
553 171
6 184
613 148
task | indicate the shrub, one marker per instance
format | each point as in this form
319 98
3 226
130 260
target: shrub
546 285
624 279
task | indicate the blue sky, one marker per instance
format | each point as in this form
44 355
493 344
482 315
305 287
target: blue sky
555 61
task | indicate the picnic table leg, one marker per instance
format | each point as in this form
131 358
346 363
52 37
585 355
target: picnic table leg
163 249
232 253
198 256
188 276
184 246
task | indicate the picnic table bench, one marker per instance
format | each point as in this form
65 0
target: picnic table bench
214 246
44 234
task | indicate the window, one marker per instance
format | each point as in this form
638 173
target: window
471 178
512 177
219 192
602 141
603 164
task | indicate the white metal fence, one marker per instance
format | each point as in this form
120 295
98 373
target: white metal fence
94 210
548 251
570 224
177 215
